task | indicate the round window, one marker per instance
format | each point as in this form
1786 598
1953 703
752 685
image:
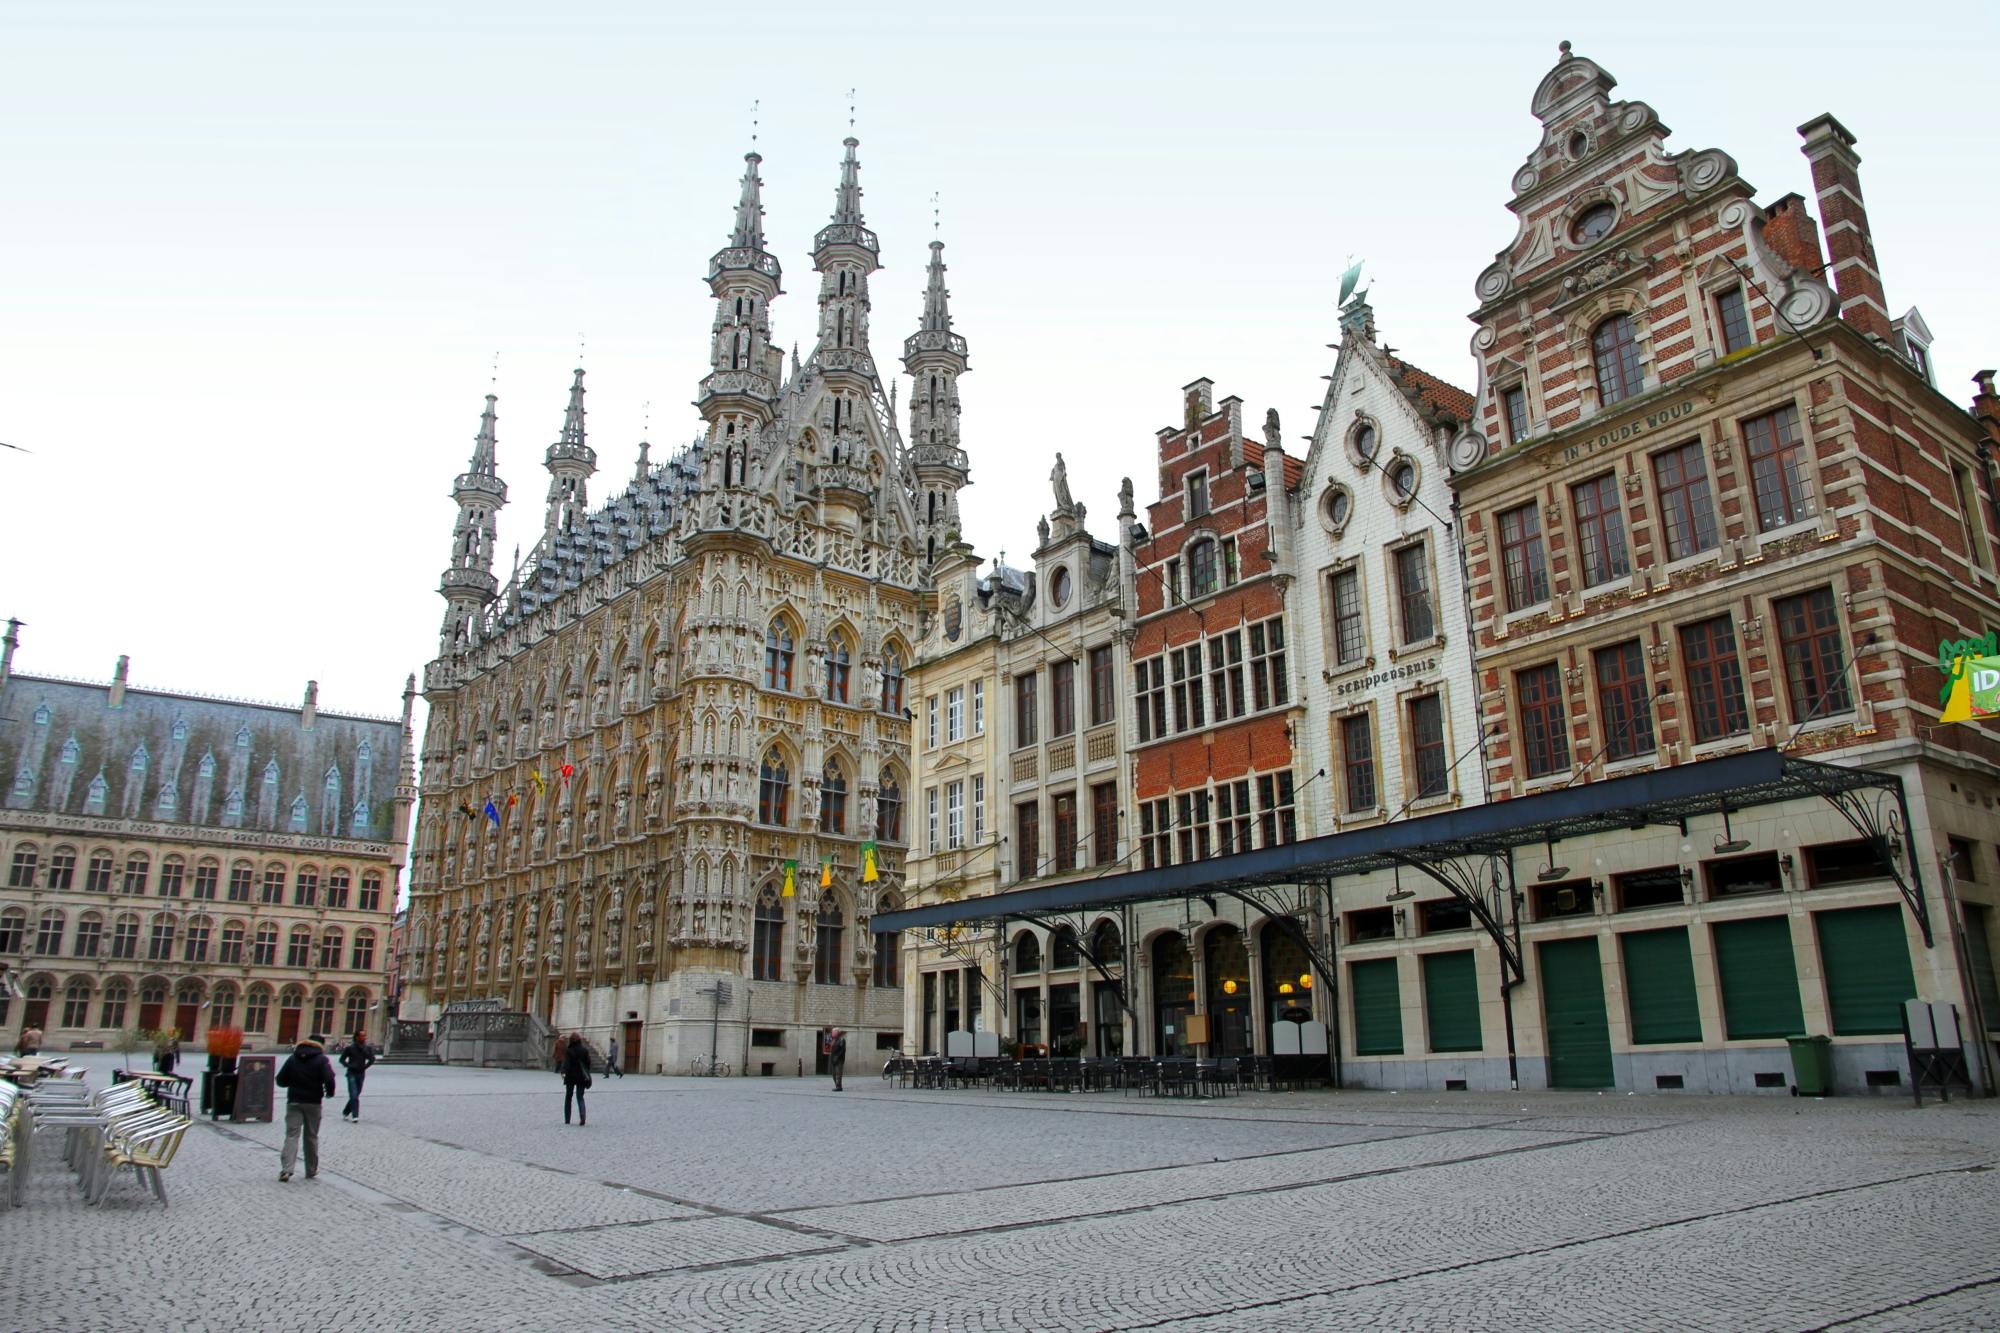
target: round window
1579 144
1336 508
1365 441
1592 224
1059 586
1403 479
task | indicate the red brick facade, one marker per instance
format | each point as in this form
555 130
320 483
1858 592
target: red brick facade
1215 686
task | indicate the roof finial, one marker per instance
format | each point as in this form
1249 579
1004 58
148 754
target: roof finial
756 109
937 215
1563 47
581 343
850 111
495 380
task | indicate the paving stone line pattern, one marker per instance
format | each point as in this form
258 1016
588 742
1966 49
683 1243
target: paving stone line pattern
461 1202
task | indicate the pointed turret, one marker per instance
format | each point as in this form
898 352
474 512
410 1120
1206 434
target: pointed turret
571 462
740 392
468 585
645 465
935 358
844 254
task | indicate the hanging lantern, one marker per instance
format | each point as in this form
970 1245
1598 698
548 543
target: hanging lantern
1284 988
1305 981
1229 987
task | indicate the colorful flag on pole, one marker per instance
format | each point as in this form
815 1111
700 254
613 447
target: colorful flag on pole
467 811
513 799
869 873
541 788
568 771
493 814
826 873
791 879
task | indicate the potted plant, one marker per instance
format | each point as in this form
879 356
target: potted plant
218 1082
126 1042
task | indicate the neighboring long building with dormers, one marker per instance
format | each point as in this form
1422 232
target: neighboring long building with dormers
185 862
1722 509
666 779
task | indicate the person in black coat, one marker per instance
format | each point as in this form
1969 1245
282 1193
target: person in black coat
356 1059
836 1057
575 1076
307 1078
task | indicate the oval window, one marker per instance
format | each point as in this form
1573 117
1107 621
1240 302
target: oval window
1403 480
1336 508
1365 442
1592 223
1059 586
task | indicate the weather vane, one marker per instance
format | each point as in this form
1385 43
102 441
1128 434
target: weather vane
850 110
935 219
756 108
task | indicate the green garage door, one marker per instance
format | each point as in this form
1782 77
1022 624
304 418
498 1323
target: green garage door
1451 1001
1659 986
1866 958
1760 979
1378 1007
1979 943
1573 1007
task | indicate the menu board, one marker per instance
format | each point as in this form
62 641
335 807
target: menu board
256 1086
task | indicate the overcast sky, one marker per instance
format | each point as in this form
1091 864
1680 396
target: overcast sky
256 260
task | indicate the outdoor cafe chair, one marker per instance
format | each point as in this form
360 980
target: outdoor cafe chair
147 1154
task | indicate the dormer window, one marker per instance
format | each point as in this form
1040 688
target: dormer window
1593 224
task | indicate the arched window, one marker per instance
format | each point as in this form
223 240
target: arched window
97 879
889 810
892 682
117 994
89 935
832 800
364 951
305 887
152 1003
62 867
774 790
1106 945
323 1004
1027 953
355 1020
173 870
194 946
1226 964
1063 953
371 893
1614 346
827 941
125 937
839 663
231 951
768 934
257 1009
1201 568
337 884
160 947
26 861
298 949
888 948
138 868
222 1008
265 951
76 1003
330 942
778 649
13 925
49 934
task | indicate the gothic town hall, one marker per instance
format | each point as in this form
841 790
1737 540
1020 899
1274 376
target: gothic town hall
665 775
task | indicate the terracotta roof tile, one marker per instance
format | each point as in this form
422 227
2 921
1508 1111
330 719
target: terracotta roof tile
1432 392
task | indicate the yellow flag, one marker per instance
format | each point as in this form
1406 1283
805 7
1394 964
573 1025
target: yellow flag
869 874
541 788
826 873
791 879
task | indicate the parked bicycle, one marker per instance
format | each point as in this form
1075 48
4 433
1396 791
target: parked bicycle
704 1067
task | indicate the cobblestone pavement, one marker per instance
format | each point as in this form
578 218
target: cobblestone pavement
461 1201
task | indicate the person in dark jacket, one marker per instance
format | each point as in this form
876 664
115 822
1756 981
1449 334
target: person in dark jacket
575 1076
356 1059
611 1059
307 1078
836 1057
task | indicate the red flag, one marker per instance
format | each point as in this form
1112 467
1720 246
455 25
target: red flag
568 771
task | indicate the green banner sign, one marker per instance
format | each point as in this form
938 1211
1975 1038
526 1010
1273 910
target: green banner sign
1973 690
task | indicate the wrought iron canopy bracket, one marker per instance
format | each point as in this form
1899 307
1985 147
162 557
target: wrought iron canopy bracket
1269 901
1482 879
1863 798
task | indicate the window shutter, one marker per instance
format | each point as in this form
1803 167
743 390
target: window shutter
1760 979
1866 957
1378 1007
1451 1001
1659 986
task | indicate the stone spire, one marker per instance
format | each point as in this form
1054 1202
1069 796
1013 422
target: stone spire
570 462
468 585
739 394
844 253
645 464
935 357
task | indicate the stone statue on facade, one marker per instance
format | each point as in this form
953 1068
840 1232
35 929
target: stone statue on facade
1271 433
1125 495
1059 479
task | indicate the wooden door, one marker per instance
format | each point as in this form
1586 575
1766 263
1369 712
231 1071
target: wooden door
288 1027
149 1014
37 1015
1573 1006
628 1049
187 1013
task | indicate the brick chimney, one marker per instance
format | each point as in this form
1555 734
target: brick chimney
1793 236
1836 172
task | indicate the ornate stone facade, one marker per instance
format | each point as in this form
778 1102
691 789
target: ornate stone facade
665 753
175 861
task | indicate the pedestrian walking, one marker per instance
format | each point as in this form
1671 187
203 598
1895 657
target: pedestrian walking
611 1060
307 1078
836 1057
30 1042
356 1059
575 1076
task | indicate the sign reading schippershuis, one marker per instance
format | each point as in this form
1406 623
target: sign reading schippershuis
1971 670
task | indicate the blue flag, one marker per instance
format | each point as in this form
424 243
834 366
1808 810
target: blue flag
493 814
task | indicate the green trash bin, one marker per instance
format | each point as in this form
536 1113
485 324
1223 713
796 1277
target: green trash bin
1812 1066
